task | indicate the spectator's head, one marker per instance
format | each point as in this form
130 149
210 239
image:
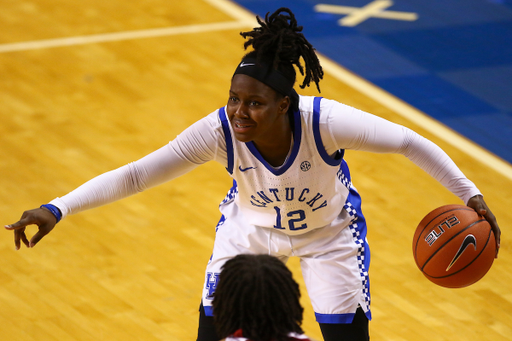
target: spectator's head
257 294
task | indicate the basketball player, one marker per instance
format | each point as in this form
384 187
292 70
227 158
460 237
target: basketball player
257 299
292 193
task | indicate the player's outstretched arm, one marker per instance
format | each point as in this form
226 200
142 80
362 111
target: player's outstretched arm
41 217
478 204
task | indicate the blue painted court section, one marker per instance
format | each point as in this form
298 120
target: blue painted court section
454 62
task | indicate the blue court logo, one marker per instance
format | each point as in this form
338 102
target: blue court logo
356 15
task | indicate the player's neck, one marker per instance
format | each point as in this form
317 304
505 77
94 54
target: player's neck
277 152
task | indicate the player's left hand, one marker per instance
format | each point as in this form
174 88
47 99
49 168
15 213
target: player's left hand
478 204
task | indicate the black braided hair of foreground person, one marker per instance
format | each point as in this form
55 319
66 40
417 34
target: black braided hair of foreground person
257 294
279 42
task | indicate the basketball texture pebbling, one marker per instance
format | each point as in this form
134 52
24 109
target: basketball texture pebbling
453 246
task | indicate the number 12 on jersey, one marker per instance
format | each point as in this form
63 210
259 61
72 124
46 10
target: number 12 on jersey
294 223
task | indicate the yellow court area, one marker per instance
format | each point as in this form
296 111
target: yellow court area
86 87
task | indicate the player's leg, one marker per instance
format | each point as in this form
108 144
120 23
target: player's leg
336 301
335 262
355 331
222 251
206 330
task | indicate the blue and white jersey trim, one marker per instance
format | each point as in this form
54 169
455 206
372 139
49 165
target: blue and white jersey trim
358 228
333 161
344 175
229 141
230 196
334 318
297 135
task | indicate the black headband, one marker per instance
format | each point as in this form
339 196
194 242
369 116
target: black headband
265 74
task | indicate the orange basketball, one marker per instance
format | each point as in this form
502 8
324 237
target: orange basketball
453 246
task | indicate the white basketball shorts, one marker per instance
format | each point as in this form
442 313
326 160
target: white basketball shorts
334 259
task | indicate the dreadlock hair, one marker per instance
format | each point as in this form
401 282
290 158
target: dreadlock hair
279 42
257 294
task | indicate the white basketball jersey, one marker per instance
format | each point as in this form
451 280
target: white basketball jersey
307 192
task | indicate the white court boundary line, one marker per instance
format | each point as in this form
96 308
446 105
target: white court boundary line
246 19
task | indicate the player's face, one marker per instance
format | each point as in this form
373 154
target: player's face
257 113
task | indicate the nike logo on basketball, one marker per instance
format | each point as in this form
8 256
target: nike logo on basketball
470 239
246 64
245 169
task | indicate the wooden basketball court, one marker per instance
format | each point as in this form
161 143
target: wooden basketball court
88 87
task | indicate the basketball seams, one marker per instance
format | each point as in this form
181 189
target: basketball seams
474 259
457 208
449 240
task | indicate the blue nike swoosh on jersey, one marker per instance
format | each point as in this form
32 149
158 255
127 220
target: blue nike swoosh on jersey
470 239
245 169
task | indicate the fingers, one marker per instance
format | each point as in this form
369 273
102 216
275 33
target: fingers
19 232
43 218
495 228
21 224
482 211
43 231
479 205
497 233
19 236
491 219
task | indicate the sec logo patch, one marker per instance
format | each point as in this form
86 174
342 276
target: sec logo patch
305 166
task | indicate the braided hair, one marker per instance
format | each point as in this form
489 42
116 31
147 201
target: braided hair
279 42
257 294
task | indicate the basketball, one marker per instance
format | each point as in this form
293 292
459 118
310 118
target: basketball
453 246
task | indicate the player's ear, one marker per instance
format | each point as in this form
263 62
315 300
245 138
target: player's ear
284 104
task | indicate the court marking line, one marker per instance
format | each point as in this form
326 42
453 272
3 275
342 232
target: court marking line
244 18
395 104
126 35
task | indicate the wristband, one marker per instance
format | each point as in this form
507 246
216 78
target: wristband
54 210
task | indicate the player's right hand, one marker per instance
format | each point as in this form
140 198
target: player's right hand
478 204
41 217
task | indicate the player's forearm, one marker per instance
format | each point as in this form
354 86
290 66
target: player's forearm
101 190
154 169
433 160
